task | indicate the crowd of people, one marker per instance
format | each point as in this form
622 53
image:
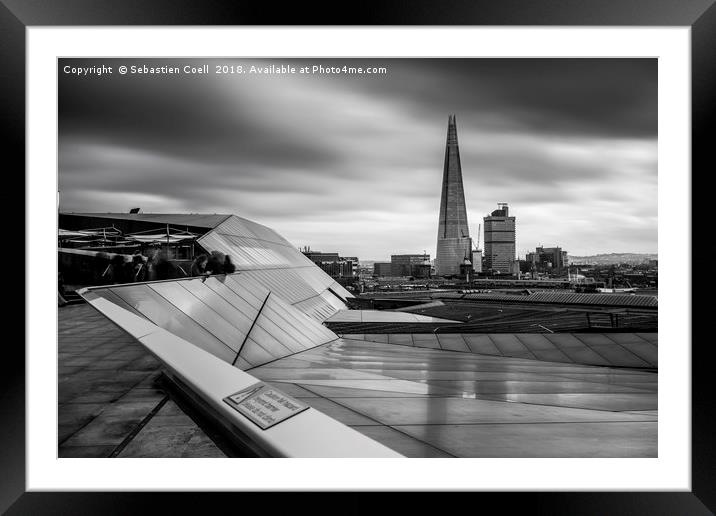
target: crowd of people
157 266
214 263
105 269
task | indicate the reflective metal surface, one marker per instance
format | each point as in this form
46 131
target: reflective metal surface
275 264
217 314
383 316
435 402
637 350
306 433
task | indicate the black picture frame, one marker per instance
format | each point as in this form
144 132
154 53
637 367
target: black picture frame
17 15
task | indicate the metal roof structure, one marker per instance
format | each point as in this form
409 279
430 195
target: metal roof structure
208 221
370 316
572 298
439 403
255 250
565 298
229 338
231 317
634 350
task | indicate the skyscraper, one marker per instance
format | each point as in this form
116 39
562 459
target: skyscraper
454 242
500 240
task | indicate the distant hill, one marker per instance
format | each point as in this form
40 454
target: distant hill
613 258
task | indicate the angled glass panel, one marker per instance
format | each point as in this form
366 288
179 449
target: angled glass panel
268 321
254 295
426 340
254 354
403 339
316 308
647 352
453 342
509 345
200 312
377 337
302 327
535 341
164 314
274 349
591 339
338 289
584 355
111 296
213 242
346 316
249 310
619 356
649 337
219 305
564 340
301 334
481 344
551 355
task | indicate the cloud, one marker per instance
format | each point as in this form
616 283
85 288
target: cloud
354 163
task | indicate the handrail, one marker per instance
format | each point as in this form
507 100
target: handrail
310 433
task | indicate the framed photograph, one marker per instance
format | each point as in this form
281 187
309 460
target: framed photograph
262 143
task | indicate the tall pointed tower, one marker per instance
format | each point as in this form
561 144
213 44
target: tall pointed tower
454 242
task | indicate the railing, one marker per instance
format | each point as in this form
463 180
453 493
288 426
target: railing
309 433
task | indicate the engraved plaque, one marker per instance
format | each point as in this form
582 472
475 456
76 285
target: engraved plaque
264 405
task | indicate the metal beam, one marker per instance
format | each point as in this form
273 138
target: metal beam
252 327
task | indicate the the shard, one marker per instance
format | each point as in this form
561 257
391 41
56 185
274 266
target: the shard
454 242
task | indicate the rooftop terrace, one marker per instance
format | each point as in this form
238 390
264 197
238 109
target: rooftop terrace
112 402
420 402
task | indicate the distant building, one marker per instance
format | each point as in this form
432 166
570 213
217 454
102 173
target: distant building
548 260
354 261
526 265
454 242
339 269
318 257
416 265
477 260
515 267
500 240
333 264
382 269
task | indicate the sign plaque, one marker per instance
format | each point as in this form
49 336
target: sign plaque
264 405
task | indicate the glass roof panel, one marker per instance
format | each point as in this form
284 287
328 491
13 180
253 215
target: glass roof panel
164 314
217 313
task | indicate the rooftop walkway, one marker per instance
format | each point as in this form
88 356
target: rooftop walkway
111 401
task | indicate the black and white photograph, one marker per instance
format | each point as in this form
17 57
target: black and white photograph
357 257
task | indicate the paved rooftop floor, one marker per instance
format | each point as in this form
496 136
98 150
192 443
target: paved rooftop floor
420 401
440 403
110 399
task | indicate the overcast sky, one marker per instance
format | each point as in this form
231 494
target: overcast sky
353 164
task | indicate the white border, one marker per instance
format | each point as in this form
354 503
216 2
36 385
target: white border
671 470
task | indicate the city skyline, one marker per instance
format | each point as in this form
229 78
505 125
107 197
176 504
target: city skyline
352 164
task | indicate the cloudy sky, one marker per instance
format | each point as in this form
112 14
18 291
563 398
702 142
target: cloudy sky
353 164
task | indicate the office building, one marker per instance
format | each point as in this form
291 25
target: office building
477 260
382 269
416 265
454 242
333 264
547 260
500 240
